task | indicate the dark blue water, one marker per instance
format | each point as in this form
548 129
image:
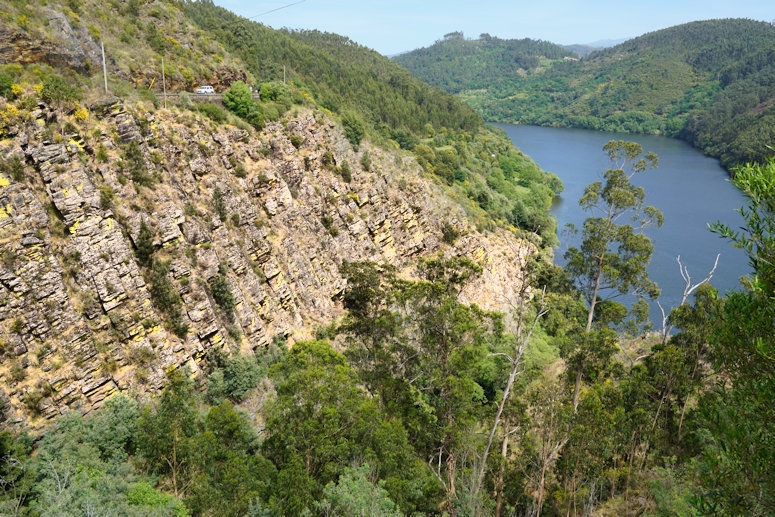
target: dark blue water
690 189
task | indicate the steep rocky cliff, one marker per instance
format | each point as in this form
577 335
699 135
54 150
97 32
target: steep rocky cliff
271 212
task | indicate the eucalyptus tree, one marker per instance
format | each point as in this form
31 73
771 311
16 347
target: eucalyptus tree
427 357
614 253
738 415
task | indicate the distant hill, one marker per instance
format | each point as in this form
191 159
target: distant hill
581 50
711 83
585 49
457 64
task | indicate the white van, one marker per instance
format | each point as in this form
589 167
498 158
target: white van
205 90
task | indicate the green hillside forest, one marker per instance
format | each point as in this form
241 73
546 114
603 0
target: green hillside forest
414 400
707 82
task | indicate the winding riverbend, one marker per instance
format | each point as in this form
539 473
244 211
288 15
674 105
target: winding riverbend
692 191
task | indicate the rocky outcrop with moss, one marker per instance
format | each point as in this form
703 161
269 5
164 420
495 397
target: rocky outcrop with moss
135 239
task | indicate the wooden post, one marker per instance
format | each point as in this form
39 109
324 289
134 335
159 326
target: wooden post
164 82
104 68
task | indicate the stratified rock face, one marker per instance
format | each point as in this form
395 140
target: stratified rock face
77 319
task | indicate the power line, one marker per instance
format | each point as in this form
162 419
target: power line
277 9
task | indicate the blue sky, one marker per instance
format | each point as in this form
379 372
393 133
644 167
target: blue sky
395 26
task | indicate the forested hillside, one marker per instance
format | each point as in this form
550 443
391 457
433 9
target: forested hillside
709 82
374 95
339 73
339 299
457 64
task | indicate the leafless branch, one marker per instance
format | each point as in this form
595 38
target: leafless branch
521 340
689 288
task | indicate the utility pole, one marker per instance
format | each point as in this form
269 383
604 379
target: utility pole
104 68
164 82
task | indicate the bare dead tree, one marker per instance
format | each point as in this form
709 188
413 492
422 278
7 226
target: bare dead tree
689 288
524 326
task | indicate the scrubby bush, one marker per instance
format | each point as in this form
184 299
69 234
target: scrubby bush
239 100
55 89
219 204
213 112
366 161
5 85
134 164
221 291
12 167
346 172
328 159
184 100
354 128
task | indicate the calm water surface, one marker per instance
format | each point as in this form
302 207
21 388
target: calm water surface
692 190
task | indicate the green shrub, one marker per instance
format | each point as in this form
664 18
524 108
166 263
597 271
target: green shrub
5 85
102 154
155 38
55 89
13 167
366 161
106 196
239 100
166 299
328 159
354 128
134 164
213 112
271 113
221 291
32 399
141 355
17 372
144 248
184 100
17 326
328 223
274 91
219 204
346 172
240 171
234 377
143 494
449 233
241 375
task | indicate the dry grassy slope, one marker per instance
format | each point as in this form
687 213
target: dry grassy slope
34 32
76 319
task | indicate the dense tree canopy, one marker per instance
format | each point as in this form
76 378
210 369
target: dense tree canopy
457 64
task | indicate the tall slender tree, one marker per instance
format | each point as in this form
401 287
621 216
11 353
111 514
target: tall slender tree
614 252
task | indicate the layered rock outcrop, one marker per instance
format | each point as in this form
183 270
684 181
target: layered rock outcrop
268 209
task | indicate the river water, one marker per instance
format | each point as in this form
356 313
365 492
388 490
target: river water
690 189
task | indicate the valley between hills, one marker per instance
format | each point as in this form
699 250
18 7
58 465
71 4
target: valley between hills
330 288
